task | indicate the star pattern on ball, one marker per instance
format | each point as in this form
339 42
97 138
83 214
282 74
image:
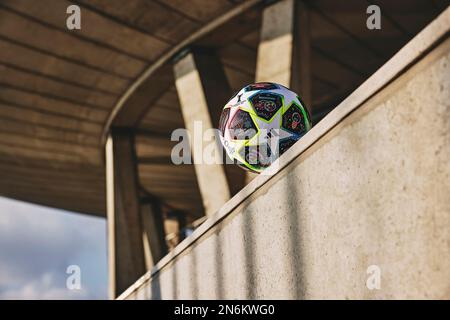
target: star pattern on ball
269 129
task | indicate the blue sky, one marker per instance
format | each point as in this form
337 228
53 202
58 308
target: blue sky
37 244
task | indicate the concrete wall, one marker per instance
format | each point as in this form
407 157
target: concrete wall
374 189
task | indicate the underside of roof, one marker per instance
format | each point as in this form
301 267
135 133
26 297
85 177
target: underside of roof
58 88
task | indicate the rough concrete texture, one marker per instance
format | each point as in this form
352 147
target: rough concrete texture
374 191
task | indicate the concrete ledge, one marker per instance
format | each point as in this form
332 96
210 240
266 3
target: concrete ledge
268 196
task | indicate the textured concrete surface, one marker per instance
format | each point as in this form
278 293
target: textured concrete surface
211 177
373 191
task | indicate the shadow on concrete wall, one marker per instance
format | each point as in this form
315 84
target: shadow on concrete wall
193 274
292 246
295 266
249 252
296 260
174 281
218 266
155 288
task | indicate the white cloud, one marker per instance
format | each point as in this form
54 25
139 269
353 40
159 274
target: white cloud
36 246
44 288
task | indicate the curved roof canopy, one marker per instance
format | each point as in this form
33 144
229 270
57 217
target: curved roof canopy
61 90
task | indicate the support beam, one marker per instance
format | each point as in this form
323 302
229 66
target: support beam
301 77
125 245
203 90
181 219
284 51
155 246
174 226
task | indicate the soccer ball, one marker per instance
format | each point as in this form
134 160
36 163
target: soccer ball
261 122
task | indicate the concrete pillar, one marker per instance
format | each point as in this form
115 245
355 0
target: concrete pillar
181 220
284 48
155 247
125 245
203 90
175 225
